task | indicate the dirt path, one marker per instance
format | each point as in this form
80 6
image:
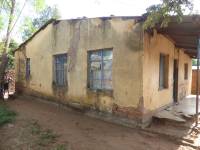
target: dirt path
84 133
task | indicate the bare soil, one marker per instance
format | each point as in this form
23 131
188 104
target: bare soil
45 126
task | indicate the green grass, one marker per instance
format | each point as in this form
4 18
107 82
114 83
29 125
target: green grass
61 147
6 115
35 128
46 137
43 137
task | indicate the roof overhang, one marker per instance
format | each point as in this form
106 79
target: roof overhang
184 34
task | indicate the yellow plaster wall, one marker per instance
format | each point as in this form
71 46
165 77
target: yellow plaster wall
76 38
184 85
153 97
39 51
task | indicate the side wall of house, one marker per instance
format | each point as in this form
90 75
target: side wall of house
39 52
154 97
76 38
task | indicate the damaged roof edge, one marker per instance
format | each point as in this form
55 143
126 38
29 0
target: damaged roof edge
187 18
29 39
54 21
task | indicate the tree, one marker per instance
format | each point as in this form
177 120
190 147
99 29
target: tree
159 15
10 12
9 7
32 25
194 62
12 46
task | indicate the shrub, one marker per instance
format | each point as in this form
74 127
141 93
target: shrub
6 115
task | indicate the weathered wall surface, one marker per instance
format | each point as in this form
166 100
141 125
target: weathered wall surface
155 98
39 52
76 38
184 85
135 68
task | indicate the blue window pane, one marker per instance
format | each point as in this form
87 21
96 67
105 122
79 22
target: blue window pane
107 65
107 55
95 65
28 71
95 56
100 69
107 74
60 69
107 84
95 74
95 84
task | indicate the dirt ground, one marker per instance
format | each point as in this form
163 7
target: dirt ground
45 126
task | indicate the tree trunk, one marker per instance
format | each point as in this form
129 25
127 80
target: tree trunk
4 58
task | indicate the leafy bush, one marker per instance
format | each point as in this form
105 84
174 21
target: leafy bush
6 115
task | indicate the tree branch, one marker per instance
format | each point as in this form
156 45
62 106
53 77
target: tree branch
18 16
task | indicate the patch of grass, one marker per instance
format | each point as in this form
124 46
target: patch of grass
35 128
6 115
42 137
61 147
46 137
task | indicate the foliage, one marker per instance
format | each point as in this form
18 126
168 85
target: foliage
6 115
1 23
32 25
159 15
39 5
10 12
194 62
5 8
12 46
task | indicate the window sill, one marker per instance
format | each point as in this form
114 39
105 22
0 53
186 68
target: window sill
101 91
59 86
162 89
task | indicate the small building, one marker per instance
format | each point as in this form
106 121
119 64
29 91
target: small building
108 64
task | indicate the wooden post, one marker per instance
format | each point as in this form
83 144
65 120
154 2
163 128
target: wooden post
197 83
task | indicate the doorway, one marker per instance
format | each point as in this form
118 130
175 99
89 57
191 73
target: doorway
175 81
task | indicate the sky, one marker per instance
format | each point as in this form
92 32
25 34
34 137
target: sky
96 8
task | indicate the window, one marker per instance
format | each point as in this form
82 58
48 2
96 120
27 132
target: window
28 71
100 69
185 71
60 69
164 71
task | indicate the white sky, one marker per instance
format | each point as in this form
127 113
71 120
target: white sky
96 8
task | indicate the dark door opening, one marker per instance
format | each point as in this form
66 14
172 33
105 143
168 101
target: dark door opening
175 81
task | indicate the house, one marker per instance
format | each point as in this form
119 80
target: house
109 64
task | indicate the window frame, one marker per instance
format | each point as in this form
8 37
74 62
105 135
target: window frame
165 73
102 71
63 70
